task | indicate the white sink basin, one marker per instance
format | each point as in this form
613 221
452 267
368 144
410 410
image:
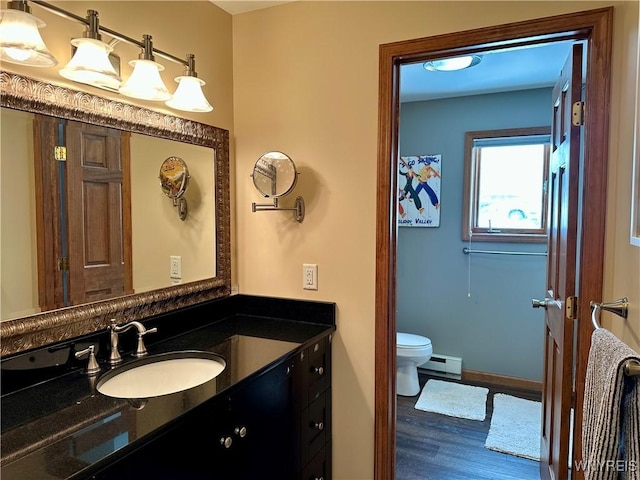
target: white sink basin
161 374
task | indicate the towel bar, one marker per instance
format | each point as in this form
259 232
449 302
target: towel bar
631 367
621 308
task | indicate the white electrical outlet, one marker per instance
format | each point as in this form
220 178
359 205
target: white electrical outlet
175 267
309 276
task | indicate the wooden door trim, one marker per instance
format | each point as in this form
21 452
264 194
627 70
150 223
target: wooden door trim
127 239
596 27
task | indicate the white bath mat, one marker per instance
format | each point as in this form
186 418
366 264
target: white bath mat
515 426
453 399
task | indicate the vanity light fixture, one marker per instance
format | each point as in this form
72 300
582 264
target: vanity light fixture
145 82
188 96
90 63
20 40
452 64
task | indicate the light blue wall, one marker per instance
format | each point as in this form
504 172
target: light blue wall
494 330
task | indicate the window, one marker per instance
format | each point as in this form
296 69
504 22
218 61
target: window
505 178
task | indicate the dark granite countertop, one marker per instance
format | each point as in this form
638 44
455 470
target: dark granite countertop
58 426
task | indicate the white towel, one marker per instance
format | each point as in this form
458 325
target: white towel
611 417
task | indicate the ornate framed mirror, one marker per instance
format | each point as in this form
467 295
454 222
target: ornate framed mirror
23 332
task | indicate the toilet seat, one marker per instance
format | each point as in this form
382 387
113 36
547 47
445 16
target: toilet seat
409 344
409 340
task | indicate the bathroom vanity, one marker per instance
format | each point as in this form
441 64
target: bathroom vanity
267 414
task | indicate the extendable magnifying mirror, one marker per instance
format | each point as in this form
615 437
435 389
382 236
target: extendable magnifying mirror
275 175
174 180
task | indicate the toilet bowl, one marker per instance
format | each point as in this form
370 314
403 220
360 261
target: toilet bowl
411 351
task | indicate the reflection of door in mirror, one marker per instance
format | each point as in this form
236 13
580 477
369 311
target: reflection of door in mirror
83 208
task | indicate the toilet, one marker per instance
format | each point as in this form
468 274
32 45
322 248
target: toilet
411 351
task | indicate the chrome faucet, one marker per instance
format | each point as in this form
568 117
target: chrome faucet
114 330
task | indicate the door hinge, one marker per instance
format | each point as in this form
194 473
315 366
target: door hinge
63 264
577 114
60 153
570 306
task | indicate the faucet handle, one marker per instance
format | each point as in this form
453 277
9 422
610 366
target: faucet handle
141 350
114 356
92 367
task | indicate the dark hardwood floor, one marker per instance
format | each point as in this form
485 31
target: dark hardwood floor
430 446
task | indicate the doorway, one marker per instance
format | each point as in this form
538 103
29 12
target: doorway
595 28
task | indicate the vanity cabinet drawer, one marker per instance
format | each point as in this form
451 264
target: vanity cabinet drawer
317 370
316 428
319 468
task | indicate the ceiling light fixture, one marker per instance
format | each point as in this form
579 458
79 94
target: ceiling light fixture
20 40
145 82
90 63
452 64
188 96
93 62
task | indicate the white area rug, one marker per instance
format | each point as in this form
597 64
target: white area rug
453 399
515 427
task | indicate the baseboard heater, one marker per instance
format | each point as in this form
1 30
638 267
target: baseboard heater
444 363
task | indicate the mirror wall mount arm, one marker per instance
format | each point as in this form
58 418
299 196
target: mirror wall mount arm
298 208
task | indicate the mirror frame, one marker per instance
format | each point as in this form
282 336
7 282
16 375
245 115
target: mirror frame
27 94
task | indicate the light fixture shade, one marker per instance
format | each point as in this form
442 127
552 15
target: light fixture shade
145 82
20 40
189 96
90 64
452 64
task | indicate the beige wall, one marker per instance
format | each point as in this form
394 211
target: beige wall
306 83
622 260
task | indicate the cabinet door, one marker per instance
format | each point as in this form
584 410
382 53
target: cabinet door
264 409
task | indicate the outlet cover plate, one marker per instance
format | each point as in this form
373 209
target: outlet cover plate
309 276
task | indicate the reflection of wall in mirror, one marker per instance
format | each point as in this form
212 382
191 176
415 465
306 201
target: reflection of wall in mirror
157 231
18 256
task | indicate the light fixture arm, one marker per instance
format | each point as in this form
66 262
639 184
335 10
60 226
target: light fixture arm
22 5
190 69
93 26
147 49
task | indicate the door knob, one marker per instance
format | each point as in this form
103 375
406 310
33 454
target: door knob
535 303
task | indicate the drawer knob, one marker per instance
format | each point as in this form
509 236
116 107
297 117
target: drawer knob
226 442
319 370
240 431
318 425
